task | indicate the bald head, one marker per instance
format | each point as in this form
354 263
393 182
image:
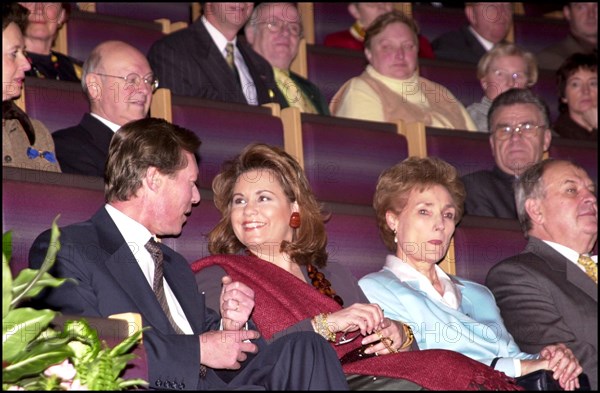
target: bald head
107 81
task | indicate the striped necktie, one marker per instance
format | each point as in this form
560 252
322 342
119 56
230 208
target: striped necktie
293 94
591 268
158 285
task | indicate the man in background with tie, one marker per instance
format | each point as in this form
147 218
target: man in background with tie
275 31
549 293
118 266
209 60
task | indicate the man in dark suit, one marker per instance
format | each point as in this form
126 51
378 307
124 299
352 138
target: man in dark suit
519 136
549 293
488 25
192 61
119 83
118 267
274 31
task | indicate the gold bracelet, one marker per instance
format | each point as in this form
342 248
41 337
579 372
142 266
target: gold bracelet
322 328
410 337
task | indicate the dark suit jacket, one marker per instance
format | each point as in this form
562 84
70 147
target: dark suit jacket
83 149
460 45
546 299
490 194
189 63
312 92
110 281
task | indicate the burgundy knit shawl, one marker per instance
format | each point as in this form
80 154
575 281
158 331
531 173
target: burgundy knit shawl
282 300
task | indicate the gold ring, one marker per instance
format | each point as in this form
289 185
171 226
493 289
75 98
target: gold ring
388 342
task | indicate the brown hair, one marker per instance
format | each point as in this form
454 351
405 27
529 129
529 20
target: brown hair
311 240
384 20
396 183
14 13
139 145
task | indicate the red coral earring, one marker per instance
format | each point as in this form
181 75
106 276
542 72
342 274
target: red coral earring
294 224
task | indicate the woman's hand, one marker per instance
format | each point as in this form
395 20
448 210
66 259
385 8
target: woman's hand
391 337
364 317
237 302
559 359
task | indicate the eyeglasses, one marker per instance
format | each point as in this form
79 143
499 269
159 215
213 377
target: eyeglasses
525 130
135 79
519 77
295 29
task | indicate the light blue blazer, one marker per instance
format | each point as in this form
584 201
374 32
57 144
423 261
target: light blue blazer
476 329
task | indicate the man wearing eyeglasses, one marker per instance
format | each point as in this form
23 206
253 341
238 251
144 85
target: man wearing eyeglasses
209 60
519 136
119 83
274 31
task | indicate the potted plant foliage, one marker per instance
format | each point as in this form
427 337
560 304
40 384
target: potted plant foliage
38 357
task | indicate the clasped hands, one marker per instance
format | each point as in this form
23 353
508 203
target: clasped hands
227 348
561 361
366 320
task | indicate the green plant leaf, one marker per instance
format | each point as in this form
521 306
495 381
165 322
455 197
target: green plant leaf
6 285
20 327
33 362
7 245
22 284
53 248
126 344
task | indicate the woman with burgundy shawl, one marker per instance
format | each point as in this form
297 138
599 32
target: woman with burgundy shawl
269 210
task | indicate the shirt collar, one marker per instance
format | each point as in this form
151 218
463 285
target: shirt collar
486 44
134 233
113 126
219 39
567 252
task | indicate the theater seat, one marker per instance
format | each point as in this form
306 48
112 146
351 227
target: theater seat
482 242
343 158
535 33
57 104
459 78
353 239
435 21
32 199
330 18
148 11
330 68
85 30
467 151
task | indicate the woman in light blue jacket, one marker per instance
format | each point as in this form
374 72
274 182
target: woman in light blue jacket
418 203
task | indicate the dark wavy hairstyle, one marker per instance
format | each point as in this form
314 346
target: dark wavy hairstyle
311 242
572 64
14 12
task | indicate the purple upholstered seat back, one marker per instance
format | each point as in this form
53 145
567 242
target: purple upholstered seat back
583 153
57 104
224 129
149 11
343 158
32 199
459 78
353 239
85 30
330 68
467 151
330 18
482 242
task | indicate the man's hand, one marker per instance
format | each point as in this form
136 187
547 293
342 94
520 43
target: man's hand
237 302
226 348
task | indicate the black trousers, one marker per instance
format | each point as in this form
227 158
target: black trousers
297 361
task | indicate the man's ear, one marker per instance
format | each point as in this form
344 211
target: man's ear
353 10
470 13
534 210
250 33
153 178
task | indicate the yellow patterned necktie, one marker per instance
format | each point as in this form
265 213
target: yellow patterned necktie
293 94
231 60
591 268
